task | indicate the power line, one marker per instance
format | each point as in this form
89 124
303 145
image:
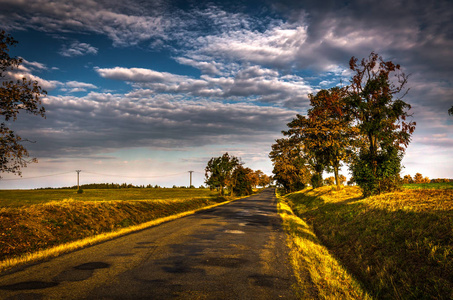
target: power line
136 177
95 173
24 178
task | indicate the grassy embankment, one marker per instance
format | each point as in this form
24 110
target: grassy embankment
319 275
397 245
39 223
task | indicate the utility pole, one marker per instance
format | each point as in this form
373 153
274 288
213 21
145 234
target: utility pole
190 178
78 186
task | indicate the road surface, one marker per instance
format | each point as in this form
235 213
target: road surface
235 251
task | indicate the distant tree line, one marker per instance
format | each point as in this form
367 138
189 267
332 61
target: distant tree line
118 186
441 180
227 175
418 178
361 125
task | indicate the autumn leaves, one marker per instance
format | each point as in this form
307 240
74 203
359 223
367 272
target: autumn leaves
363 125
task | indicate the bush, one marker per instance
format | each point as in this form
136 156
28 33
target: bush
376 175
316 180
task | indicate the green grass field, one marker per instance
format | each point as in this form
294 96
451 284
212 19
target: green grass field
397 245
444 185
17 198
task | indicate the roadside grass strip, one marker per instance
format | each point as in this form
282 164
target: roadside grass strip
397 245
91 240
319 275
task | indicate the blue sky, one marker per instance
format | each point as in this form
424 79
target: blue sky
144 91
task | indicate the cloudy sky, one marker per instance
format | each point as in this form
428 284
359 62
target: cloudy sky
144 91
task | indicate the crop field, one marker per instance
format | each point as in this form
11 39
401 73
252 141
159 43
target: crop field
36 220
16 198
396 245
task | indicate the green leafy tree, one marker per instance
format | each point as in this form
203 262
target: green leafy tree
15 96
450 111
381 121
219 170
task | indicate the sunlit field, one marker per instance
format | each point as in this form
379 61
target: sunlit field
34 220
397 245
440 185
26 197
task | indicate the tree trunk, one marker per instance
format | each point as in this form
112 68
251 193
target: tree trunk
337 178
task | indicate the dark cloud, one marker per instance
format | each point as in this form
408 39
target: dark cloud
256 67
104 121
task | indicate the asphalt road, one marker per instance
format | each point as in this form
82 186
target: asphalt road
235 251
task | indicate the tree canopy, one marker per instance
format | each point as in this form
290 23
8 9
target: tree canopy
228 172
291 169
363 125
326 133
15 96
381 118
219 171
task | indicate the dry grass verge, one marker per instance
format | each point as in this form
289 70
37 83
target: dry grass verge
36 231
398 245
318 273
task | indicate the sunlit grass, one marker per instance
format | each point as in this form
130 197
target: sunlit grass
71 246
399 245
318 273
27 229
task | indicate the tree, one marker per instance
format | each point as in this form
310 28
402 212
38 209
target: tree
15 96
418 178
331 134
407 179
450 111
342 179
329 180
291 169
254 177
381 121
301 129
242 181
219 170
264 180
327 133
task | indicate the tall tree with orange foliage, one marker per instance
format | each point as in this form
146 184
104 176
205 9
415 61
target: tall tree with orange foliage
290 166
381 120
327 132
